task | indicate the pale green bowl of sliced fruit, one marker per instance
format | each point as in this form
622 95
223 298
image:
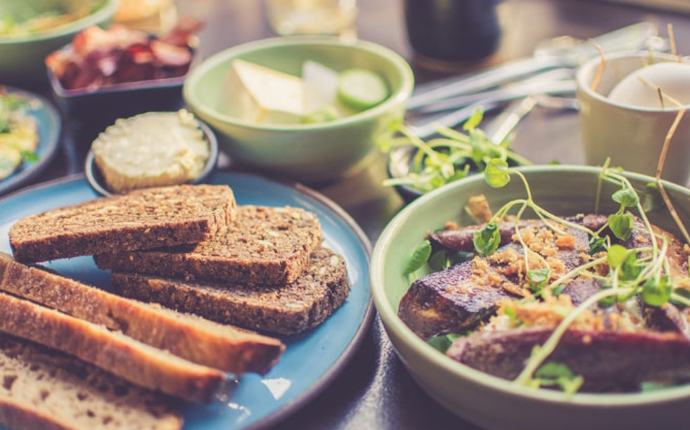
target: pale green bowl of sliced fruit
623 374
305 108
32 29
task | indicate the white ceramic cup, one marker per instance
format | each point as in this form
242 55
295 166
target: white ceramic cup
631 136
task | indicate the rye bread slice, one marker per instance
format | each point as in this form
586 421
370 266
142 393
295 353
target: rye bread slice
45 389
188 336
141 219
285 309
264 245
111 351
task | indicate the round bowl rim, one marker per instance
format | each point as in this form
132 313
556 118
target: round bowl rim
393 323
401 95
104 13
592 63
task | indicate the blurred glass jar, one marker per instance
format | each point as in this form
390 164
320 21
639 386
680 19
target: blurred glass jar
290 17
452 31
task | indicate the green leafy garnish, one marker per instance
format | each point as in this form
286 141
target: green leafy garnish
596 245
558 290
537 279
443 342
452 156
656 292
486 240
630 270
419 257
621 225
616 256
627 197
496 173
680 294
439 261
553 373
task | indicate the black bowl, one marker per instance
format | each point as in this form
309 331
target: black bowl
95 178
399 165
93 109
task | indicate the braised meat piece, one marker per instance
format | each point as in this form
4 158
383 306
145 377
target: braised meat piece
609 361
467 294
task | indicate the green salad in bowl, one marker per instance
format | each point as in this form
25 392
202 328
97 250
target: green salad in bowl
559 298
32 29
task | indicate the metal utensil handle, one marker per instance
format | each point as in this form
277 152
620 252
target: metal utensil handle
490 78
535 84
632 37
452 119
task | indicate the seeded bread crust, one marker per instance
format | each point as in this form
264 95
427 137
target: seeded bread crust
284 309
45 389
264 245
132 360
188 336
142 219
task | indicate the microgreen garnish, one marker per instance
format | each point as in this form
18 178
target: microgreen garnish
680 297
627 197
553 373
452 156
443 342
486 240
616 256
558 290
657 292
621 225
597 245
496 173
439 261
419 257
538 278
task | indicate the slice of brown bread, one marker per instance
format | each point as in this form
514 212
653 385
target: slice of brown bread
264 245
45 389
188 336
112 351
141 219
285 309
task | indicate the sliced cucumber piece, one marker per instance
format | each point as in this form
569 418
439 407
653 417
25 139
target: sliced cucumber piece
361 89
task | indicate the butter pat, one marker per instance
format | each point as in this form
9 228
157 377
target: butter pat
150 150
258 94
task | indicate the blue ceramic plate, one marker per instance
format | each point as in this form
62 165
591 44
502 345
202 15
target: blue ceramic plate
312 359
49 123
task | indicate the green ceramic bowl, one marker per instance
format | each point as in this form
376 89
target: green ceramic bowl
489 401
307 153
22 57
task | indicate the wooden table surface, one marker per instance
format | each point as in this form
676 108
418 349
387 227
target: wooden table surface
374 391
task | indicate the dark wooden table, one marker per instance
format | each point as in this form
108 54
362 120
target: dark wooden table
374 391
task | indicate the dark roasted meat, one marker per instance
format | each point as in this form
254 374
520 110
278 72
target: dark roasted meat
448 302
609 361
468 293
460 239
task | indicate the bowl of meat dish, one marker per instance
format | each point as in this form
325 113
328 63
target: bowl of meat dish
305 108
572 315
32 29
119 72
